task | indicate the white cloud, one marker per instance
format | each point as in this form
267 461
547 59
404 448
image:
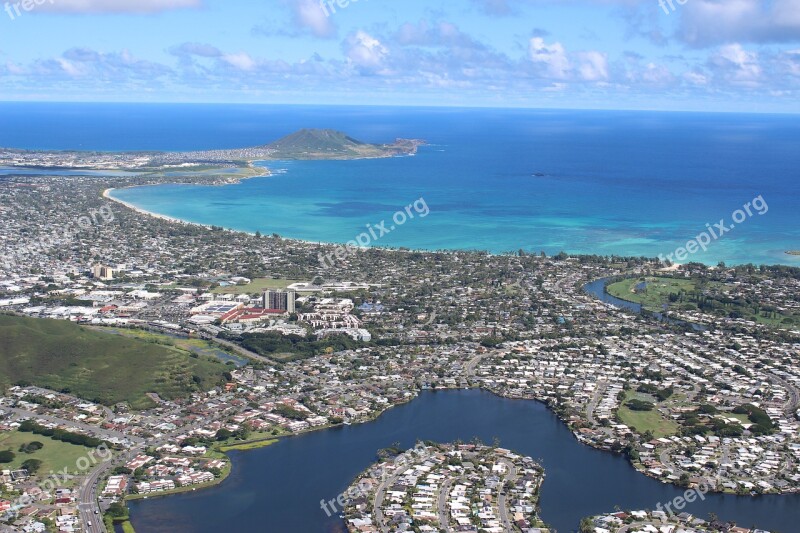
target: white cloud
709 22
241 61
434 34
69 68
365 52
593 66
696 78
791 62
14 69
309 14
656 74
554 62
512 7
736 65
553 57
116 6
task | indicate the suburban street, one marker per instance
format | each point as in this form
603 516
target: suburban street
511 475
444 516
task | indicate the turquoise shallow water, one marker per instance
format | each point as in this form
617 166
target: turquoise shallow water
581 182
626 183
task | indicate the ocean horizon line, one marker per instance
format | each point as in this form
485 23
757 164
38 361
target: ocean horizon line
445 106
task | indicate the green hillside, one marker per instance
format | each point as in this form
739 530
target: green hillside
331 144
98 366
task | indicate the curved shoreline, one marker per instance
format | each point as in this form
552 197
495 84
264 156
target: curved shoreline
548 409
267 442
107 194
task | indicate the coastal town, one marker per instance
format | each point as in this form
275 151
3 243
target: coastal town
264 343
314 143
642 521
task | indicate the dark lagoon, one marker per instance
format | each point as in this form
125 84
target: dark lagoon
279 488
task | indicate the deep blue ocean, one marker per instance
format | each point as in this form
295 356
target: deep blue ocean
598 182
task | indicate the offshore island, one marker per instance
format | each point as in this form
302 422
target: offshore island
170 344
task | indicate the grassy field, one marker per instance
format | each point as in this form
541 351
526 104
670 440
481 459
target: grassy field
657 294
197 346
252 445
646 420
258 286
99 366
743 418
689 293
55 455
659 289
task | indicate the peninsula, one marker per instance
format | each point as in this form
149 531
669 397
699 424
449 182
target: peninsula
306 144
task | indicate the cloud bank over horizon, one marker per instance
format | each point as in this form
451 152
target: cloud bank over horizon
704 54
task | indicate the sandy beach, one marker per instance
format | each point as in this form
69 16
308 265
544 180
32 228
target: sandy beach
107 195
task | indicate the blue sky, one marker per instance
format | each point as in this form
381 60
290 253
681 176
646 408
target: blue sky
709 55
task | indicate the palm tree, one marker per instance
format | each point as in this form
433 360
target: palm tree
587 526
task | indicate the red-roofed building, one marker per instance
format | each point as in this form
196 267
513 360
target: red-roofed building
250 315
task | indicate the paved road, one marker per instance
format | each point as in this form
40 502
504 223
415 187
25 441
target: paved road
469 368
444 516
501 501
592 405
88 495
241 350
726 454
87 499
790 409
665 460
379 495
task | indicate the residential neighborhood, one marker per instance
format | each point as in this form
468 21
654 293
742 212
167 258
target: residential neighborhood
458 487
282 346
